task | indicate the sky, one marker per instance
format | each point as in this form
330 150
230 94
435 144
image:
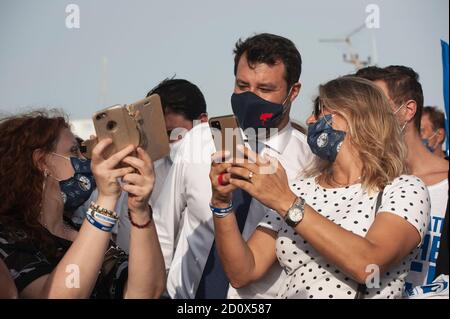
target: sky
124 48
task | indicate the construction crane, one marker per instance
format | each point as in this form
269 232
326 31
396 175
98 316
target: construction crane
352 56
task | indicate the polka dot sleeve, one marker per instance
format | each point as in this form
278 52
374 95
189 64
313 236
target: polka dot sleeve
408 198
271 220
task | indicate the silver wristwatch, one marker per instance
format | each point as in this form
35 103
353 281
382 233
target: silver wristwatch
295 212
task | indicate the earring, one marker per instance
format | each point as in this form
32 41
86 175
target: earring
46 174
403 127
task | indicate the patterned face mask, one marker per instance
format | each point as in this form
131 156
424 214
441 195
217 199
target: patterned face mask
77 189
324 140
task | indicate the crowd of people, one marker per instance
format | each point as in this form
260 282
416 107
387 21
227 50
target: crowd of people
353 205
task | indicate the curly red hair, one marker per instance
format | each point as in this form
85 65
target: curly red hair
21 179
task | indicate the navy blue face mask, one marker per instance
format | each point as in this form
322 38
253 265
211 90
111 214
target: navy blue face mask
254 112
77 189
324 140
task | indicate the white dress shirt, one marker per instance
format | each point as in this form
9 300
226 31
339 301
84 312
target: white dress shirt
182 215
291 149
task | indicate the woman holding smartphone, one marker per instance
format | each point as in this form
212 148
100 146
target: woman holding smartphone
43 172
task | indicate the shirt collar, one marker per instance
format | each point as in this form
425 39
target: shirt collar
279 141
276 142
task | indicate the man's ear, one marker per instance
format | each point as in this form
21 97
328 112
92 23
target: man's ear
295 91
410 110
203 118
39 159
440 134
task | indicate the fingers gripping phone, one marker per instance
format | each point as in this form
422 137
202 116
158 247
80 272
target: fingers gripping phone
226 134
141 124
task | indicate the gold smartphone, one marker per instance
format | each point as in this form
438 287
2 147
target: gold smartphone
226 134
141 124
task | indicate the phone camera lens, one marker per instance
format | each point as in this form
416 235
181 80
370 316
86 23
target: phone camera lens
100 116
111 125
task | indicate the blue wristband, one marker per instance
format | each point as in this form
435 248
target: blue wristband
96 224
103 218
221 212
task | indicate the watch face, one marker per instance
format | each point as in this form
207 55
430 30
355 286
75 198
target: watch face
295 214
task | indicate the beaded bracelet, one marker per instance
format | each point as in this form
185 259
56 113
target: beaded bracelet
144 225
106 212
101 218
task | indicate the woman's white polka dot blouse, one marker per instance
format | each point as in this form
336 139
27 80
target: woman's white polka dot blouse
309 275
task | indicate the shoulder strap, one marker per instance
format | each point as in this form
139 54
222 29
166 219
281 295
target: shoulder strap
361 290
378 204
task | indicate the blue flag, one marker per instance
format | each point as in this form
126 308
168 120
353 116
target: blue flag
444 46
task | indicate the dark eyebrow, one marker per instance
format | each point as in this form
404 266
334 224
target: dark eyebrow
241 81
267 86
270 86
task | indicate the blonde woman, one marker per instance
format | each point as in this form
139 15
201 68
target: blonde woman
326 230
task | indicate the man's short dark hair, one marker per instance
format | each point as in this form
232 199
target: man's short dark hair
181 97
403 85
270 49
437 117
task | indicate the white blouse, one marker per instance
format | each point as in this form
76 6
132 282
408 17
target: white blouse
309 275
